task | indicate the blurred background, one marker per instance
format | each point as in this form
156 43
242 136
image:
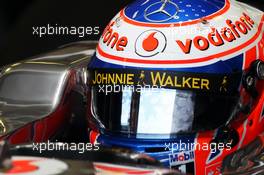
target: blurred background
18 17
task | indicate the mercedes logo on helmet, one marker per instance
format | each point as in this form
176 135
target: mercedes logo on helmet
166 8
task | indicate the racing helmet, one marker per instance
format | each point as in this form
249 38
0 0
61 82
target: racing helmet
180 80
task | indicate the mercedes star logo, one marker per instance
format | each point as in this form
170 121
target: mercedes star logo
160 8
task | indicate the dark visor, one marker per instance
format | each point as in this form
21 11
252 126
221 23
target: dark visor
161 112
166 111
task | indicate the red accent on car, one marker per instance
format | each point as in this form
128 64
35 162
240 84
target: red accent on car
22 166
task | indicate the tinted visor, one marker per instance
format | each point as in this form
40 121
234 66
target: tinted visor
144 102
160 111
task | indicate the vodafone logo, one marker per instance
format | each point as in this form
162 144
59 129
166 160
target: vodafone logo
186 46
36 166
150 43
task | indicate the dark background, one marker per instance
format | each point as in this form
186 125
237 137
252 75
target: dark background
17 17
